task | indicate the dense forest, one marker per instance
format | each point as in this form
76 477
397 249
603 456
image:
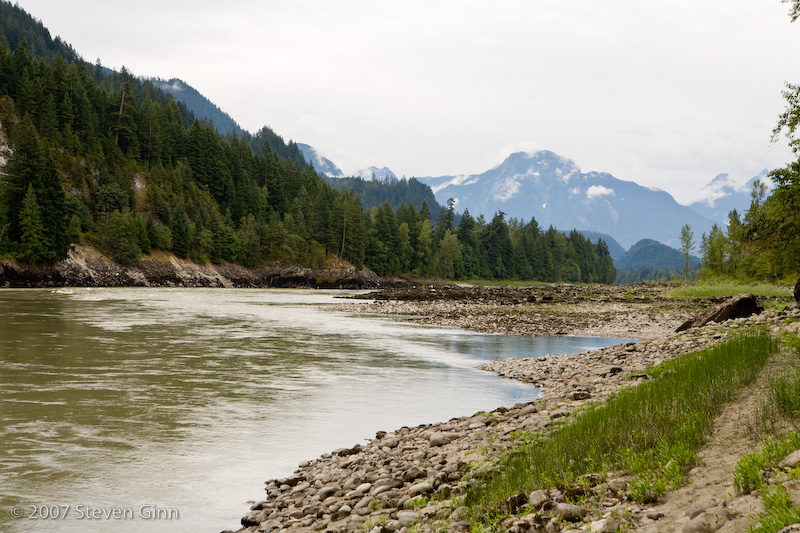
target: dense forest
106 158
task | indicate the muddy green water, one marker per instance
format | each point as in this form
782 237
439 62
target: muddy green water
167 409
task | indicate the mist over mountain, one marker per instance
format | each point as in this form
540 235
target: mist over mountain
554 191
322 165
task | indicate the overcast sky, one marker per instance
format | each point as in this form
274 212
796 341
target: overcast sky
668 94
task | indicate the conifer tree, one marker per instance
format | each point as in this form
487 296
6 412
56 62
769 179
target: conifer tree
32 245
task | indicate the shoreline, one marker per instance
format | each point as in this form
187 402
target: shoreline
412 475
86 267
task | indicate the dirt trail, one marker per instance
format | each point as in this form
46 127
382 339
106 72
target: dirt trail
713 478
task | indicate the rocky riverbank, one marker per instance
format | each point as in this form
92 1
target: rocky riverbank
638 311
86 267
412 478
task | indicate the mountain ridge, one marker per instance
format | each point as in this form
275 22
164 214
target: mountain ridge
553 190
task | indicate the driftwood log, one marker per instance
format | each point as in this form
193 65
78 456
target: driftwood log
740 306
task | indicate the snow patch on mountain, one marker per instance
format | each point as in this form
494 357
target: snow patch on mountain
456 180
507 188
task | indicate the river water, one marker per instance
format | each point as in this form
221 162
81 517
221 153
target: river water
167 409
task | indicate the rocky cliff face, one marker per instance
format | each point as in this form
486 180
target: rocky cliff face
85 267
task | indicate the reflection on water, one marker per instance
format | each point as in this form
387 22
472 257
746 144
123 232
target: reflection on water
188 399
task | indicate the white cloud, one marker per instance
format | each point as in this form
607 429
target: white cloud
598 191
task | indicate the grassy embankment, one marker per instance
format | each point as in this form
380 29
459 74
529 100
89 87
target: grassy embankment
652 432
777 425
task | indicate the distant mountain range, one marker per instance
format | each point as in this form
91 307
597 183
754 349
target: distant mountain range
554 191
326 167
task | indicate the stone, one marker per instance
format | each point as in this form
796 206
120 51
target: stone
420 488
618 485
792 486
415 472
700 507
440 438
363 502
793 528
253 518
706 522
458 527
605 525
570 512
652 514
407 518
537 498
301 488
392 525
511 504
791 461
579 395
326 492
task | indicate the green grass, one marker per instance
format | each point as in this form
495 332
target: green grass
728 289
779 410
748 475
781 406
652 431
778 511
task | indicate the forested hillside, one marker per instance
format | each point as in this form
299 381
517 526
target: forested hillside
199 105
109 159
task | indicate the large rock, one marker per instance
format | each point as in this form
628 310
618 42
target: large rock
740 306
790 461
570 512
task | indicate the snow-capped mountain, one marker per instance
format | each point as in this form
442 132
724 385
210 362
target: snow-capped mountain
724 194
375 173
322 164
326 167
554 191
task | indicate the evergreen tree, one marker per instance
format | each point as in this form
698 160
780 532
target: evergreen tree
179 227
33 244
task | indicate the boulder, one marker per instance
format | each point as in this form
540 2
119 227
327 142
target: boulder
741 306
605 525
440 438
790 461
570 512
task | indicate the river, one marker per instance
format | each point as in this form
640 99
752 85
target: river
166 409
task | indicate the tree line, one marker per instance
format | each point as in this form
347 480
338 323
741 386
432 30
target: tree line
106 158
